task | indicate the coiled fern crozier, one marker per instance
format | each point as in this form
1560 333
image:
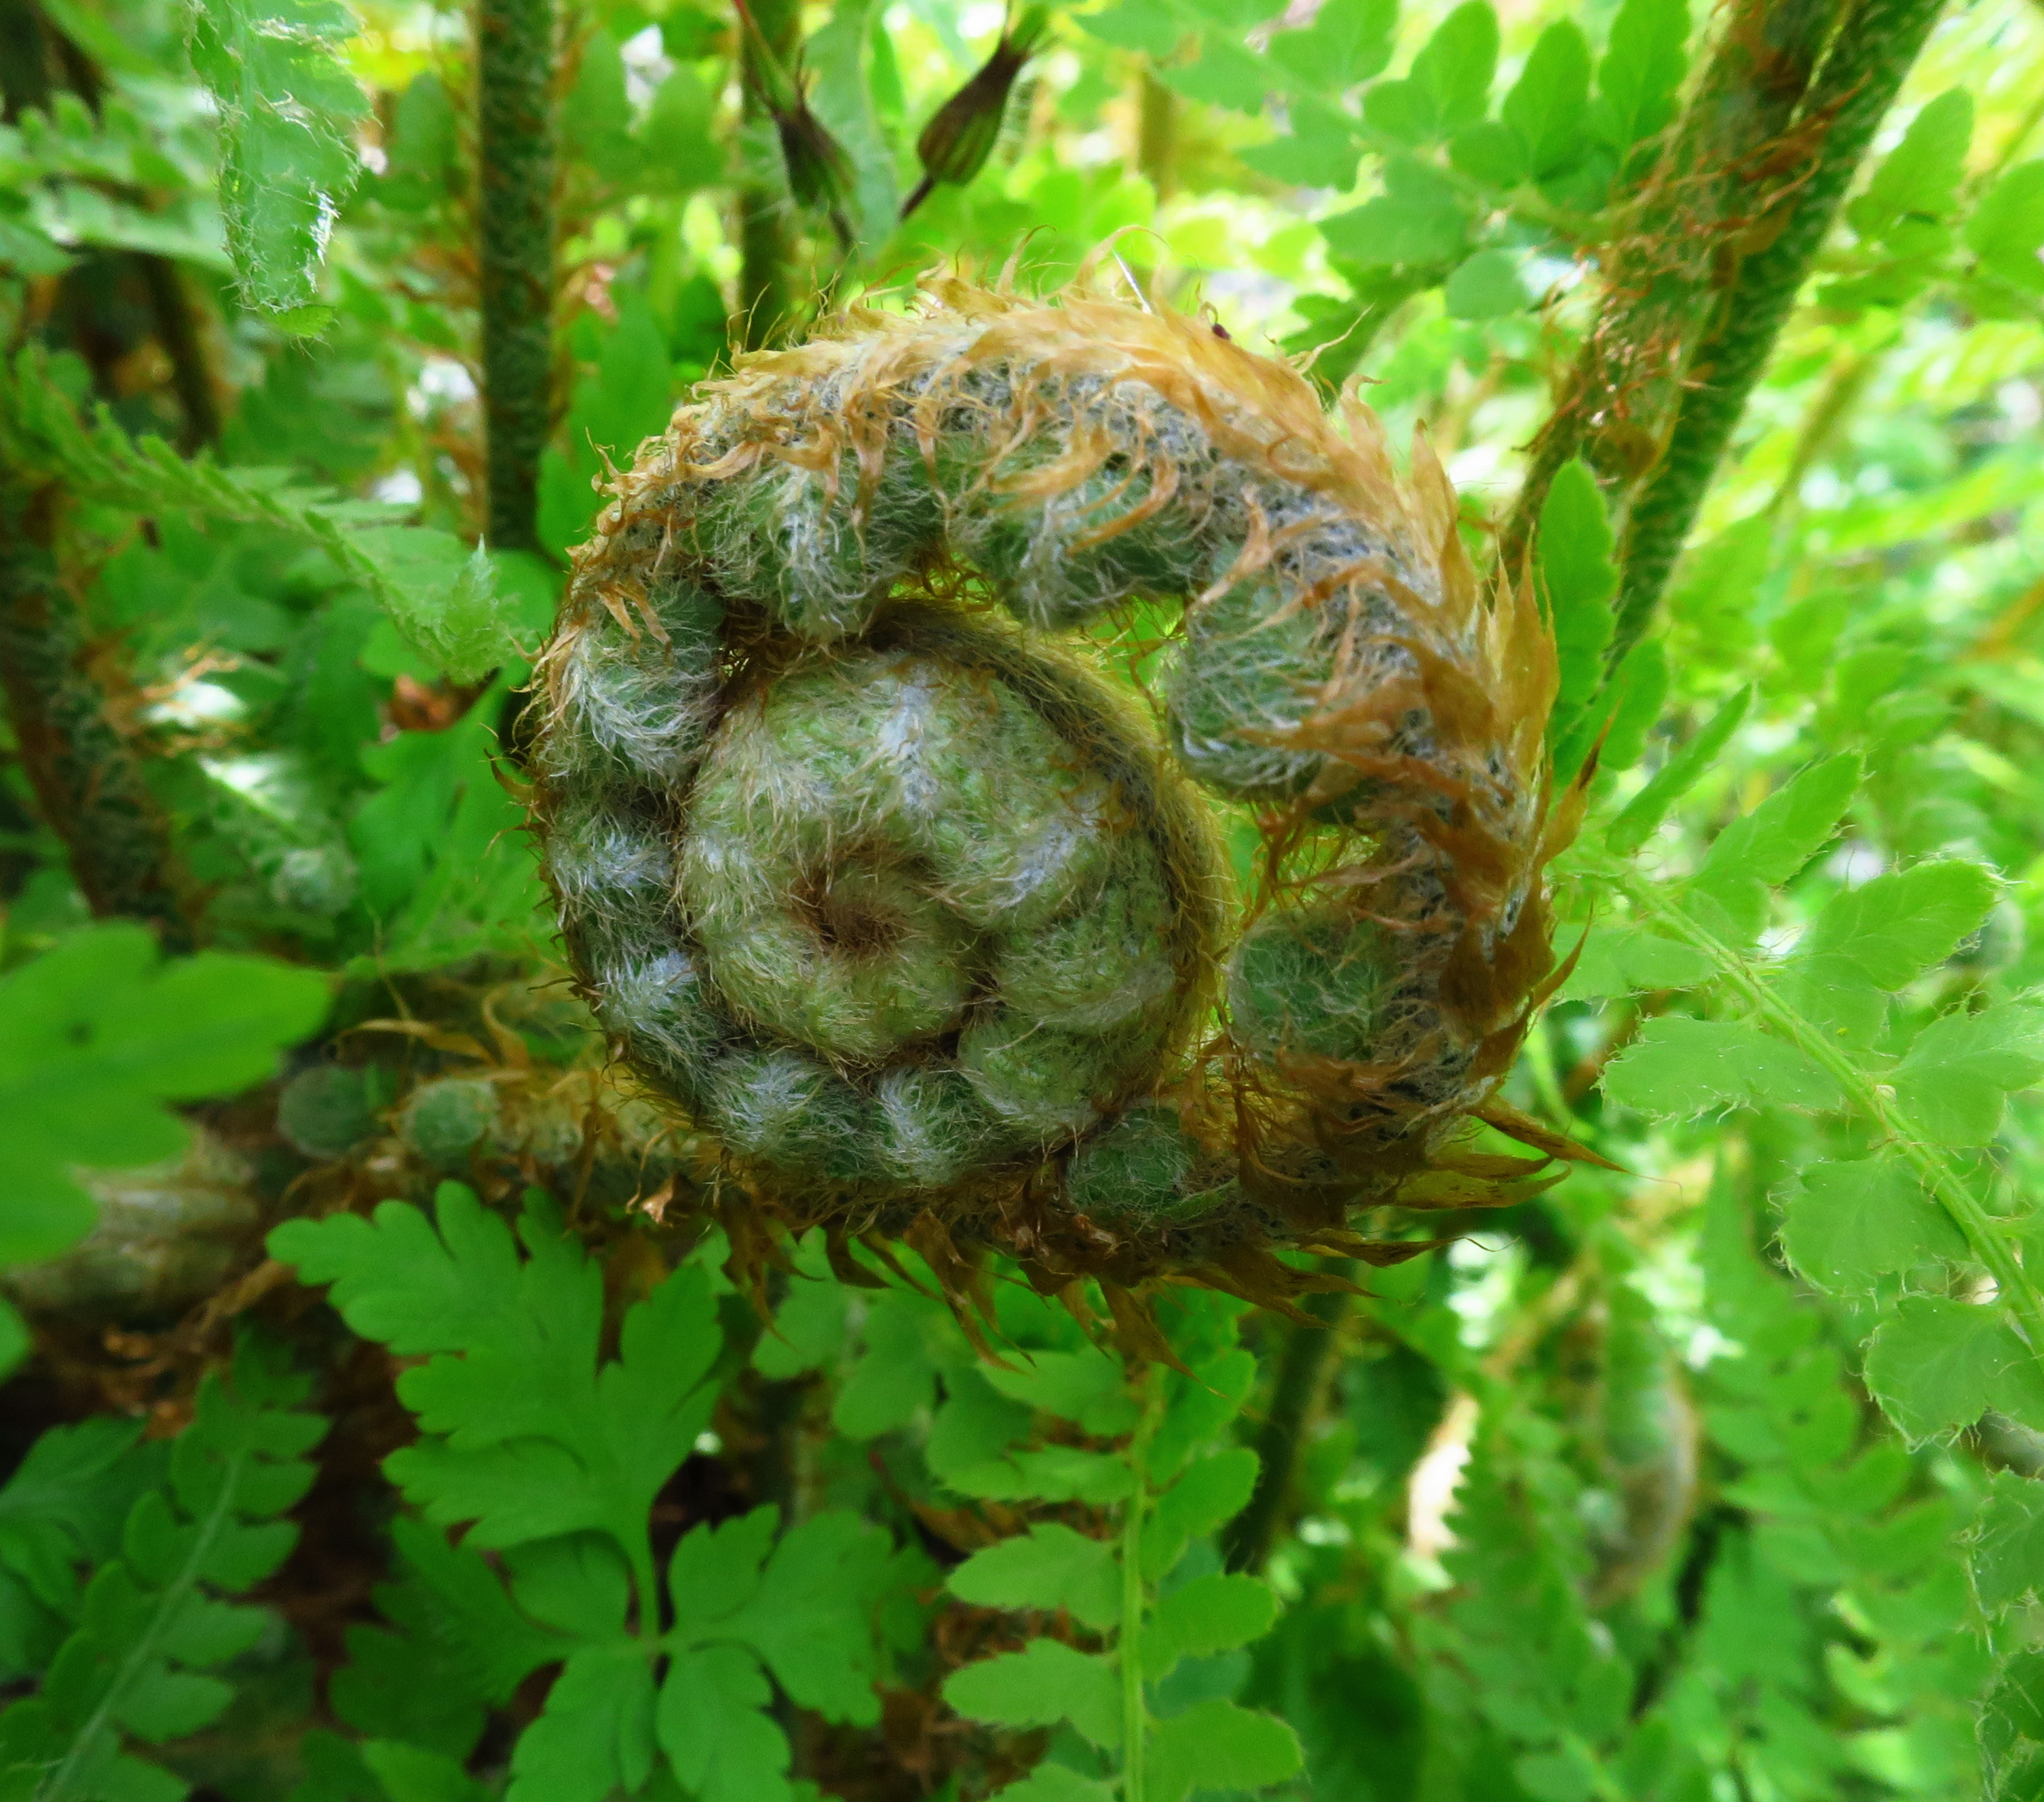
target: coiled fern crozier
909 909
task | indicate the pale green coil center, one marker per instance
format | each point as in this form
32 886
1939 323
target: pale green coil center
888 855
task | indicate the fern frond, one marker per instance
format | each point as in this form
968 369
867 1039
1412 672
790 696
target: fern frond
440 595
156 1624
288 109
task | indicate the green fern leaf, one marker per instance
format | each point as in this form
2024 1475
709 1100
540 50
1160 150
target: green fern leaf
1767 846
1850 1224
1050 1566
1046 1682
444 598
525 1436
1213 1613
1216 1745
1935 1364
1680 1067
288 111
1955 1079
743 1606
95 1037
153 1622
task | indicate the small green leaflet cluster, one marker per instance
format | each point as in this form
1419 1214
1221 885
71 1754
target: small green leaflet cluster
1462 186
1899 1210
61 1515
2008 1586
443 597
1538 1655
1515 1651
550 1454
1124 1592
1837 1640
1818 1030
151 1626
288 112
1826 1640
69 178
441 869
1460 183
1905 222
1133 1654
96 1035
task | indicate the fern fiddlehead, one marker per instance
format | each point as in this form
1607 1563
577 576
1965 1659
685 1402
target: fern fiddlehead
904 907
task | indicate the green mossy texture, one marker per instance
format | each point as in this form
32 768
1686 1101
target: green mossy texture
1312 983
886 896
444 1121
1145 1171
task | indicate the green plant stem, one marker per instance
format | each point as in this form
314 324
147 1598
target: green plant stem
88 782
1128 1644
1539 1057
1935 1172
514 69
1843 386
1721 172
766 223
645 1583
178 331
1875 46
771 1469
1254 1532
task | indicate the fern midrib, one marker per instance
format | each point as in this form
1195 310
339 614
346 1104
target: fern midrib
1945 1183
56 1787
1128 1644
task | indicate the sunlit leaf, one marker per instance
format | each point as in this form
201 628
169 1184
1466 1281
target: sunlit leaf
1849 1224
289 108
1680 1067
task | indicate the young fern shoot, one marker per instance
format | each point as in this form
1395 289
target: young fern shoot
900 905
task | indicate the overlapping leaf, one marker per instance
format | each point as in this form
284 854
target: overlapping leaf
526 1436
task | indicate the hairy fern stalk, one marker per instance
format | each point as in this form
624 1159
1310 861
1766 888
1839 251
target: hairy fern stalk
898 903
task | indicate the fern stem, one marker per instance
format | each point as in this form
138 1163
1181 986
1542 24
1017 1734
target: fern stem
514 66
1247 1543
1874 50
88 783
1128 1644
1936 1171
766 223
178 331
645 1580
1716 180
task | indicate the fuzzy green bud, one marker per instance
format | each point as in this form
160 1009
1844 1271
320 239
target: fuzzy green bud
955 145
820 173
445 1120
324 1110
